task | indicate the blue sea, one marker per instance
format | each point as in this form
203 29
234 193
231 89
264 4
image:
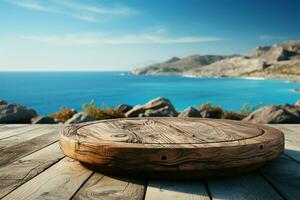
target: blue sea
47 92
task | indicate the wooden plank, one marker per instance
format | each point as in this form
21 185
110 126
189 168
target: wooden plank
6 127
12 153
292 139
249 186
22 170
284 174
108 188
169 190
60 181
16 139
16 131
12 125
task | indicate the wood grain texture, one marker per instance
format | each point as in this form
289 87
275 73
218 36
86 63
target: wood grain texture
108 188
168 130
63 182
6 127
60 181
162 190
22 170
12 153
95 147
250 186
284 174
292 139
16 139
5 133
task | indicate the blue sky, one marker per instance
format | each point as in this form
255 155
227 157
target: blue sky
43 35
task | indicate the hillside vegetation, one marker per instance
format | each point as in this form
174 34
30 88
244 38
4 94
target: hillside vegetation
279 60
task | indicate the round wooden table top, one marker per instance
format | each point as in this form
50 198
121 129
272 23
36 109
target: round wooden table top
175 145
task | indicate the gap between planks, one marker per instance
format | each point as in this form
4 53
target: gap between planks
12 153
175 190
16 139
15 130
284 175
247 186
292 139
274 172
24 169
60 181
103 187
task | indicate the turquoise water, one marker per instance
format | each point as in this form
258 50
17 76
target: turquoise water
47 92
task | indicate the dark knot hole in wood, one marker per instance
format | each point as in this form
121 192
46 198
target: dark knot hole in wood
163 157
261 147
120 135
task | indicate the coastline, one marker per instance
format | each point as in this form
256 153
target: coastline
47 92
291 79
158 107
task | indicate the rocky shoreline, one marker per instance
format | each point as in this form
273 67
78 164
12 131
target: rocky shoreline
158 107
277 61
296 90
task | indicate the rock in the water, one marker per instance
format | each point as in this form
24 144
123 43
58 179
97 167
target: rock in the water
159 107
297 103
79 117
190 112
275 114
3 102
124 108
16 113
42 120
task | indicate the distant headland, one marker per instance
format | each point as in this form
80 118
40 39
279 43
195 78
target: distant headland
277 61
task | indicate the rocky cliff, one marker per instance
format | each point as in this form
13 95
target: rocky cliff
279 60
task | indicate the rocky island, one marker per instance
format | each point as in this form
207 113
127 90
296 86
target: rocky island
277 61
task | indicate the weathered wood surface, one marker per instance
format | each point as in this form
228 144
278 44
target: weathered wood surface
25 135
8 131
22 170
284 174
167 190
168 130
44 173
5 127
242 187
60 181
172 144
109 188
25 147
292 139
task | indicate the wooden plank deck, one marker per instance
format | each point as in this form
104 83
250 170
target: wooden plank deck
33 167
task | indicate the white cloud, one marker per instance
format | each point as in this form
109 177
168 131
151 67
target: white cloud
99 38
271 37
32 5
85 12
88 18
98 9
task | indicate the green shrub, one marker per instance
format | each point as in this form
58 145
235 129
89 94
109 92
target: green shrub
233 115
245 111
209 106
213 111
101 113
